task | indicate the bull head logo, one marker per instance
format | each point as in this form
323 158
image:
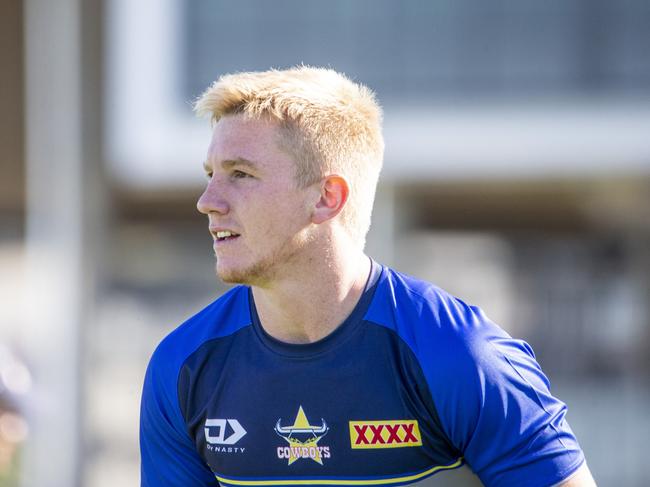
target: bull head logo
302 437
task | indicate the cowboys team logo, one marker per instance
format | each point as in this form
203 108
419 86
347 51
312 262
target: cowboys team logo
303 439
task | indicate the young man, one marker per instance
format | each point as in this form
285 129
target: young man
324 367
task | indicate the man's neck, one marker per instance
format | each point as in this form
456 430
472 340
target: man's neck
307 307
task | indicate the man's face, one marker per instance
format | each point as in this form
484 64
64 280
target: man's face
259 220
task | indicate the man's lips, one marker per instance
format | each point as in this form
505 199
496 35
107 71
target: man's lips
223 234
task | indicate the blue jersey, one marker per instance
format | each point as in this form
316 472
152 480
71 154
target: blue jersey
415 382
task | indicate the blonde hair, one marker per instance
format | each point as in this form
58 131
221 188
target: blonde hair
329 125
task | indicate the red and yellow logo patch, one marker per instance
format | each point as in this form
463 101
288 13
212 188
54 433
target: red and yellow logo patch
385 434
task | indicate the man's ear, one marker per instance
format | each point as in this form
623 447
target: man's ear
334 192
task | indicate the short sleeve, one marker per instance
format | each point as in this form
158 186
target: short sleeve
168 456
495 404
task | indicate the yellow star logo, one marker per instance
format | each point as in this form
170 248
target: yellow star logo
302 437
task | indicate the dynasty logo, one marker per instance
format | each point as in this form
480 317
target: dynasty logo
303 439
216 438
384 434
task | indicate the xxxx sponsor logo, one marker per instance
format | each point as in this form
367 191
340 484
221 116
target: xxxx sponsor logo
385 434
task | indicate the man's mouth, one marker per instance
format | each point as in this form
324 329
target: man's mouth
224 235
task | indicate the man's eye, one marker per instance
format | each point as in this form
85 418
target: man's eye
208 175
237 174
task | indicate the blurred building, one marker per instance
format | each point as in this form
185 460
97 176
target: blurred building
517 176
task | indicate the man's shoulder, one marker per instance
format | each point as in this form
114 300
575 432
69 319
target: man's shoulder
403 301
224 316
437 326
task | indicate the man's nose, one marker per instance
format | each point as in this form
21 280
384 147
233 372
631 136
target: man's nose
212 201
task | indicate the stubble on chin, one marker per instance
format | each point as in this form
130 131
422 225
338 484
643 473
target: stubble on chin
255 275
264 271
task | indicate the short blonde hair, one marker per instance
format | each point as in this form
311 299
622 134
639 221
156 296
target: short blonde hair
329 124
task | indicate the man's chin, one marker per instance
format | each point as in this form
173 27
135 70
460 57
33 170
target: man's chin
249 276
230 277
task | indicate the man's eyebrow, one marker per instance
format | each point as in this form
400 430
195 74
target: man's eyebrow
230 163
240 161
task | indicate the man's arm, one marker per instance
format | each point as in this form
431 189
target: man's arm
582 478
495 404
168 455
